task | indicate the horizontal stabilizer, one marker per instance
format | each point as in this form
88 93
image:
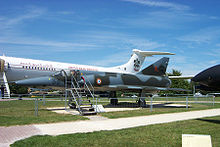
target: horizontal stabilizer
151 53
137 59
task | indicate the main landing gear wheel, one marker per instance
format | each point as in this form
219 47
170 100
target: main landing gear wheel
114 101
141 102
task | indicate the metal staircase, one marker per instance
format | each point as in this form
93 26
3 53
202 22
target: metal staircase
4 86
80 94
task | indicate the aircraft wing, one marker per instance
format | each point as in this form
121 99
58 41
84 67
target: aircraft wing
146 88
181 77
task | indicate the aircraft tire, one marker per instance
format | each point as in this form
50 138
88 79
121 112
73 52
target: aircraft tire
114 101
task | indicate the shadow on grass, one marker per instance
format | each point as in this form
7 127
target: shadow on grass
209 120
136 105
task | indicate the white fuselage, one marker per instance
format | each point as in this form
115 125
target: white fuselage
21 68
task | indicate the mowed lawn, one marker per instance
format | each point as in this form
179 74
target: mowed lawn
159 110
160 135
21 112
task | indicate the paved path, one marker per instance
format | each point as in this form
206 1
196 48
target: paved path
9 135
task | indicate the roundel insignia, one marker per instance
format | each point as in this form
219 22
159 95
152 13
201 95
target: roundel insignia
98 81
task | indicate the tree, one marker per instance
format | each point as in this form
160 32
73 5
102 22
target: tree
178 83
16 89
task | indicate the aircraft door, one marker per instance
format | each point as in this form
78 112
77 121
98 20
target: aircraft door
2 65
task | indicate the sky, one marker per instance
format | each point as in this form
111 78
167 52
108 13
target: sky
104 32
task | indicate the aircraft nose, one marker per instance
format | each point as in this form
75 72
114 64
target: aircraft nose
197 78
201 77
207 75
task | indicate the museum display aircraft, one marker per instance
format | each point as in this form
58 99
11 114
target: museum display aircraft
125 77
208 79
46 73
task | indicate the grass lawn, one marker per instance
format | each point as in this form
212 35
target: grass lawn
217 99
160 135
20 112
146 111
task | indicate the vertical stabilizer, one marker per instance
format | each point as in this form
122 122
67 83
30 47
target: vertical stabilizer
137 59
158 68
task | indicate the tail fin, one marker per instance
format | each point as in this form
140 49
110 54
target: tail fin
158 68
137 59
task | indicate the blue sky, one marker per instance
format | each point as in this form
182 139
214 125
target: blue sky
104 32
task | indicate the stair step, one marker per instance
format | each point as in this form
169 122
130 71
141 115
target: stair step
4 83
83 105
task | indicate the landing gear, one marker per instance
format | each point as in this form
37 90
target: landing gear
113 99
72 106
141 102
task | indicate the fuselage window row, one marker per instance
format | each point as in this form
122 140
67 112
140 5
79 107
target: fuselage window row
39 68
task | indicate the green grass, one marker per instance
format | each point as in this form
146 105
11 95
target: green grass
146 111
217 98
22 112
160 135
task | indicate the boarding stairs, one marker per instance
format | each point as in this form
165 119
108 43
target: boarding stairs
4 86
80 93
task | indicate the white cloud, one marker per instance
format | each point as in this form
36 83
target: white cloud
120 41
58 45
214 17
123 44
203 36
162 19
30 13
212 62
66 12
213 52
153 3
83 41
118 58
